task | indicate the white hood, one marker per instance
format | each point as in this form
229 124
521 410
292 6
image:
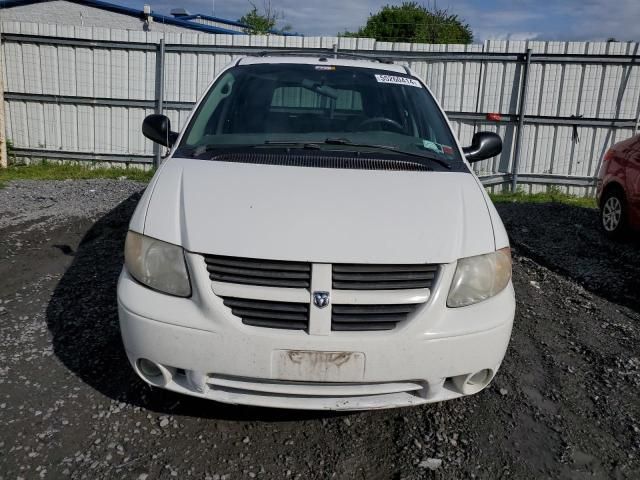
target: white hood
318 214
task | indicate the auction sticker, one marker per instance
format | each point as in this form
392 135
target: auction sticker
397 80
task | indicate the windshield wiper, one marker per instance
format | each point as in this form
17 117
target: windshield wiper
317 145
214 146
430 156
290 143
346 142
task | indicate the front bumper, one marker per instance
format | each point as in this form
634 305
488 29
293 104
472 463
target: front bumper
205 351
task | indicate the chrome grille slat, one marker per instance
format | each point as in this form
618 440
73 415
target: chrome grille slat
349 276
256 263
369 317
347 285
268 323
266 305
262 313
288 274
268 282
250 271
370 277
356 327
377 309
390 317
365 267
280 315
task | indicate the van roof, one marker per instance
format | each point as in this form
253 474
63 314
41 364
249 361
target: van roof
324 60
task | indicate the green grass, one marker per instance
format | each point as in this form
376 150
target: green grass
57 171
552 195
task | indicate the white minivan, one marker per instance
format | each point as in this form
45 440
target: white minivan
315 239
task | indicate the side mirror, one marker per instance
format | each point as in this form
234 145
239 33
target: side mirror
158 129
483 145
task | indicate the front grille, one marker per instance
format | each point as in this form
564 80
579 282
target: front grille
369 317
353 276
278 311
250 271
260 313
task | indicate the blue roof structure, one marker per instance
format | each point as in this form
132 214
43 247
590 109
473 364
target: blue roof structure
184 22
234 23
214 19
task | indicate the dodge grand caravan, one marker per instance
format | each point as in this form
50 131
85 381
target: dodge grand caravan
315 239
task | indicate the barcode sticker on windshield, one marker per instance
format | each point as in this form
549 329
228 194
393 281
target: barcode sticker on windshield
397 80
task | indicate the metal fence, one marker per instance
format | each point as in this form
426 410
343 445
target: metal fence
82 93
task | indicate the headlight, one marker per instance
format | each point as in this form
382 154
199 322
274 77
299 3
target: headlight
156 264
480 277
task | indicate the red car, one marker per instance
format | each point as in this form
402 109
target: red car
619 188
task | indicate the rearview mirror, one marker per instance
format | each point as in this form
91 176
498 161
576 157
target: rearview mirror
483 145
158 129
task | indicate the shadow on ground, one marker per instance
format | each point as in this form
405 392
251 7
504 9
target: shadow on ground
568 239
82 317
83 320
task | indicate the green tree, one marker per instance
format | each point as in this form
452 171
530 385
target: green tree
412 22
262 23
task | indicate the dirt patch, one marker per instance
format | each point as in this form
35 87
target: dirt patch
568 240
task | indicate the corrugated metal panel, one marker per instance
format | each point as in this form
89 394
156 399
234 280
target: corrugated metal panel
188 71
101 65
206 66
119 67
102 129
555 89
85 128
19 129
69 127
137 67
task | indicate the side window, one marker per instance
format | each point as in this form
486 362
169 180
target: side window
212 109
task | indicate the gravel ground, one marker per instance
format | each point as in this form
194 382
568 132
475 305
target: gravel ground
37 202
568 240
564 405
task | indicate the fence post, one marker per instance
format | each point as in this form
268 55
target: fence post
3 135
521 114
157 148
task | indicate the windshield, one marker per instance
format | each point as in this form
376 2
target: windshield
332 107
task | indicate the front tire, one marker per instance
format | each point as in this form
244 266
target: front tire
613 214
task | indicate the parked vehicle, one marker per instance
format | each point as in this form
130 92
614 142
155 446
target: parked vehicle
618 188
316 240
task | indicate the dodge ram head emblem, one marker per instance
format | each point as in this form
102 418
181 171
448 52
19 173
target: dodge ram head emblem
321 299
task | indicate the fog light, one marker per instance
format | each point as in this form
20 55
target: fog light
149 369
480 378
473 382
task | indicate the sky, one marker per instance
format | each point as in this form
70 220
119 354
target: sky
578 20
